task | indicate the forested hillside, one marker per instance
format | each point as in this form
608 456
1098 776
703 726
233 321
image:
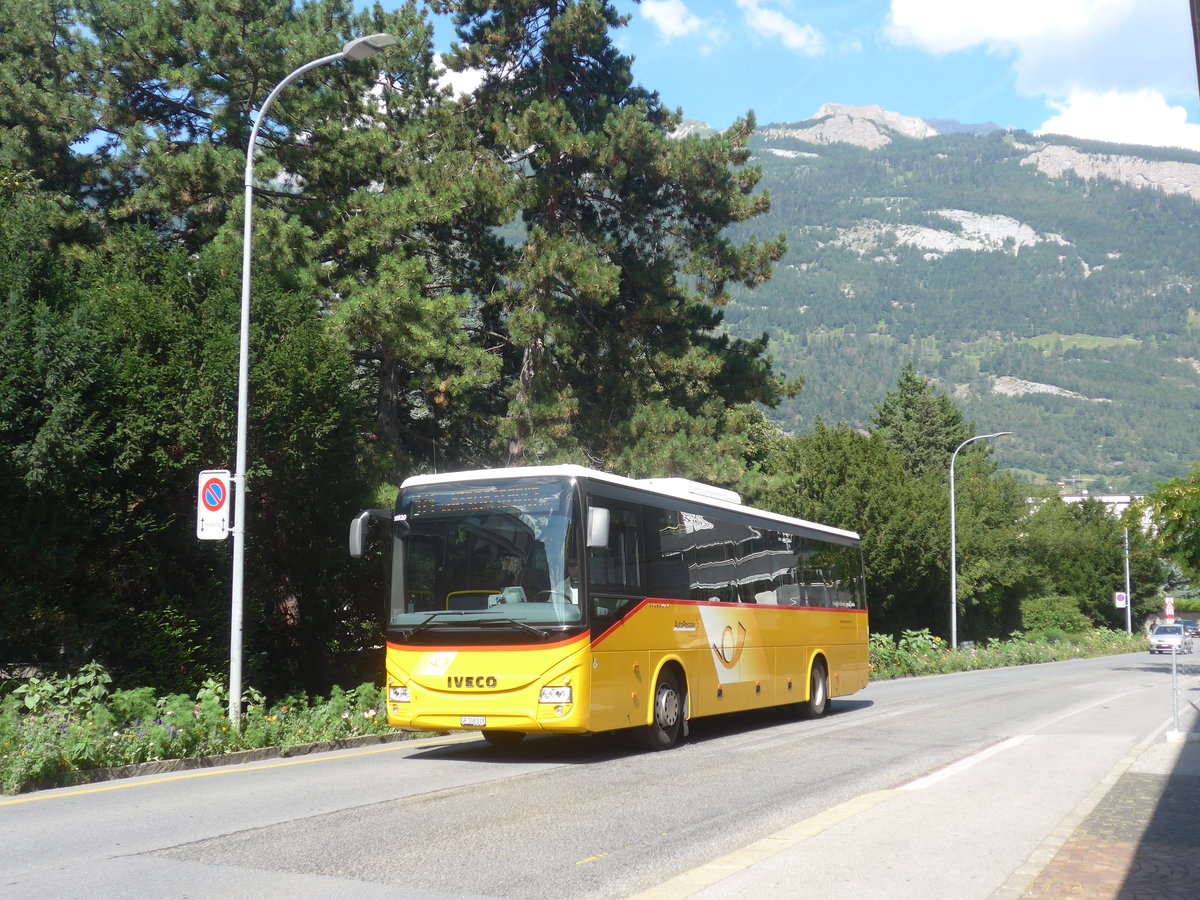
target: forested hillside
1054 306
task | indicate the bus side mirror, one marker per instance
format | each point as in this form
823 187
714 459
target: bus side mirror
360 529
597 534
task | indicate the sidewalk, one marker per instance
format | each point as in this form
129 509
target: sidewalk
1141 841
1045 816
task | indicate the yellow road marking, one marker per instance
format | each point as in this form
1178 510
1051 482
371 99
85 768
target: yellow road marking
710 873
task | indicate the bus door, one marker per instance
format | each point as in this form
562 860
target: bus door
615 573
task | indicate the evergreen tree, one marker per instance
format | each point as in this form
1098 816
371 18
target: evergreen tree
173 88
606 310
925 427
44 108
116 390
140 111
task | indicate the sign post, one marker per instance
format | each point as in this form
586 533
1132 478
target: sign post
212 505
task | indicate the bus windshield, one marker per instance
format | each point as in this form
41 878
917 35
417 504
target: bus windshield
485 561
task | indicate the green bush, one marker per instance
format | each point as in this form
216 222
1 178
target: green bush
1054 611
921 653
54 727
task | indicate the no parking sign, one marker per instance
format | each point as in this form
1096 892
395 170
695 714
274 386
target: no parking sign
212 505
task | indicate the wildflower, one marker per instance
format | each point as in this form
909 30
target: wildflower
370 713
346 715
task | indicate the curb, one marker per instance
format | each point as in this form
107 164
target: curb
158 767
1183 737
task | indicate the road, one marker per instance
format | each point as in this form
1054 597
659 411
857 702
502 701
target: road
989 763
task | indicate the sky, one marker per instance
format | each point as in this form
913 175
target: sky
1113 70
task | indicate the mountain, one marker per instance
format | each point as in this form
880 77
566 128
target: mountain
1050 285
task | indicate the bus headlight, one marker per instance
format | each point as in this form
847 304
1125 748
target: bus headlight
555 694
399 694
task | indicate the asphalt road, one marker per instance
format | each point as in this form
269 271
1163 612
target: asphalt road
594 817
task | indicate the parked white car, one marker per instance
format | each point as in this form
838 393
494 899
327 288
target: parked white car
1170 639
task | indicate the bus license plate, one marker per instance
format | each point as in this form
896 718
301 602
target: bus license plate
472 721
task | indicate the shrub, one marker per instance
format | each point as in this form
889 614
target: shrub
1054 611
54 727
921 653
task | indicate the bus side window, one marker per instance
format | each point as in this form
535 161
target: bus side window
666 569
618 566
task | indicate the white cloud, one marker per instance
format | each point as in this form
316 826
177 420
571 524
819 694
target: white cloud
1108 67
461 83
672 18
944 26
772 24
1143 117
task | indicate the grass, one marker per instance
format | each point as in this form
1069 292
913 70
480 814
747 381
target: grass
54 730
1079 341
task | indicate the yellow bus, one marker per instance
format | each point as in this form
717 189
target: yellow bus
562 600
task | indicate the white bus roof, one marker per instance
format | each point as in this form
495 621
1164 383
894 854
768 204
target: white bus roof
677 488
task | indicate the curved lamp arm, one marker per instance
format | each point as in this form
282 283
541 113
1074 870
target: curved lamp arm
359 48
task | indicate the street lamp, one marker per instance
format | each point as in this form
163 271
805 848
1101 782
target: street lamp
953 558
360 48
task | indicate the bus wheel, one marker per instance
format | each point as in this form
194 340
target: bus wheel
817 703
503 738
663 733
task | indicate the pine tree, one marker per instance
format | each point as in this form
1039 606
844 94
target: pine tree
606 309
44 108
923 426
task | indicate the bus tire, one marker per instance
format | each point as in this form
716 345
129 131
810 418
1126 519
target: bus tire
503 738
667 723
817 703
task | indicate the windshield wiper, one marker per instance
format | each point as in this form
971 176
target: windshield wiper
423 626
525 626
433 620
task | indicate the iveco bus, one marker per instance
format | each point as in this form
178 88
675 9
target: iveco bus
562 600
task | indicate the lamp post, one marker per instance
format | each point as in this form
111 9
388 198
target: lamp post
360 48
1128 595
953 557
